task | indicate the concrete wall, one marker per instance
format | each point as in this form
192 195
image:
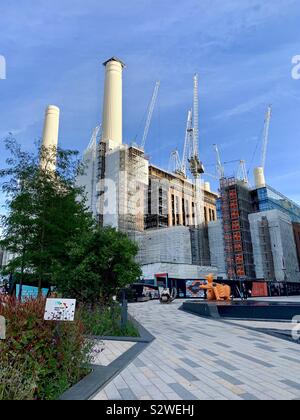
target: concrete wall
172 245
216 245
282 244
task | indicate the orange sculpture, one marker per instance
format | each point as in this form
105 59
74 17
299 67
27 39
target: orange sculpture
215 291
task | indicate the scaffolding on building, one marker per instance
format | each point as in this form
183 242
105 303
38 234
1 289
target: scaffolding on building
235 208
102 147
133 188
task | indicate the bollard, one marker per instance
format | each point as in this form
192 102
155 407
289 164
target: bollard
2 328
124 310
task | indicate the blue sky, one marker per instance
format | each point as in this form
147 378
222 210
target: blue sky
242 50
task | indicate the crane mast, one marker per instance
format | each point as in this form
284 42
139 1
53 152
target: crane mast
196 115
90 155
266 136
175 164
150 114
196 167
187 141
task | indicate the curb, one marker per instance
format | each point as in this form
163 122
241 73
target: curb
100 376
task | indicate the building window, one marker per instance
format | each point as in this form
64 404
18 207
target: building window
149 197
193 212
173 210
160 202
187 213
177 211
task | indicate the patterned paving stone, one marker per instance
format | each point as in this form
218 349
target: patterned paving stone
220 361
253 359
292 384
229 378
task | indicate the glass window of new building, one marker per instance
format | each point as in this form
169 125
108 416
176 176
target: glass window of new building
270 199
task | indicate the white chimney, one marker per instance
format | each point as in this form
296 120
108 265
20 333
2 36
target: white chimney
50 134
259 177
112 124
207 186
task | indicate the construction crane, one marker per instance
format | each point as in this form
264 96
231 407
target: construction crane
150 114
220 167
196 166
242 173
90 158
94 139
179 165
266 136
175 164
189 131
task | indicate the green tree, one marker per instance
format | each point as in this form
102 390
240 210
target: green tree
43 210
98 266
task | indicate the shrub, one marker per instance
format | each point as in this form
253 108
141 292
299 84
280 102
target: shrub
52 356
105 321
14 383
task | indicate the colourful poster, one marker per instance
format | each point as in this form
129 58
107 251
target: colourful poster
193 289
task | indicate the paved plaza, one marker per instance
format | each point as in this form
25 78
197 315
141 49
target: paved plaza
107 351
198 359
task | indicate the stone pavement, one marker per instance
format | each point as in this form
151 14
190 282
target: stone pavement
107 351
197 359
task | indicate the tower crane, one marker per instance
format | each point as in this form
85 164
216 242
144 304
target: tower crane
242 173
196 166
187 141
90 158
150 114
94 139
220 167
266 136
259 172
175 164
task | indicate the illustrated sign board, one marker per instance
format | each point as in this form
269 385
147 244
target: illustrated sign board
193 289
60 310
